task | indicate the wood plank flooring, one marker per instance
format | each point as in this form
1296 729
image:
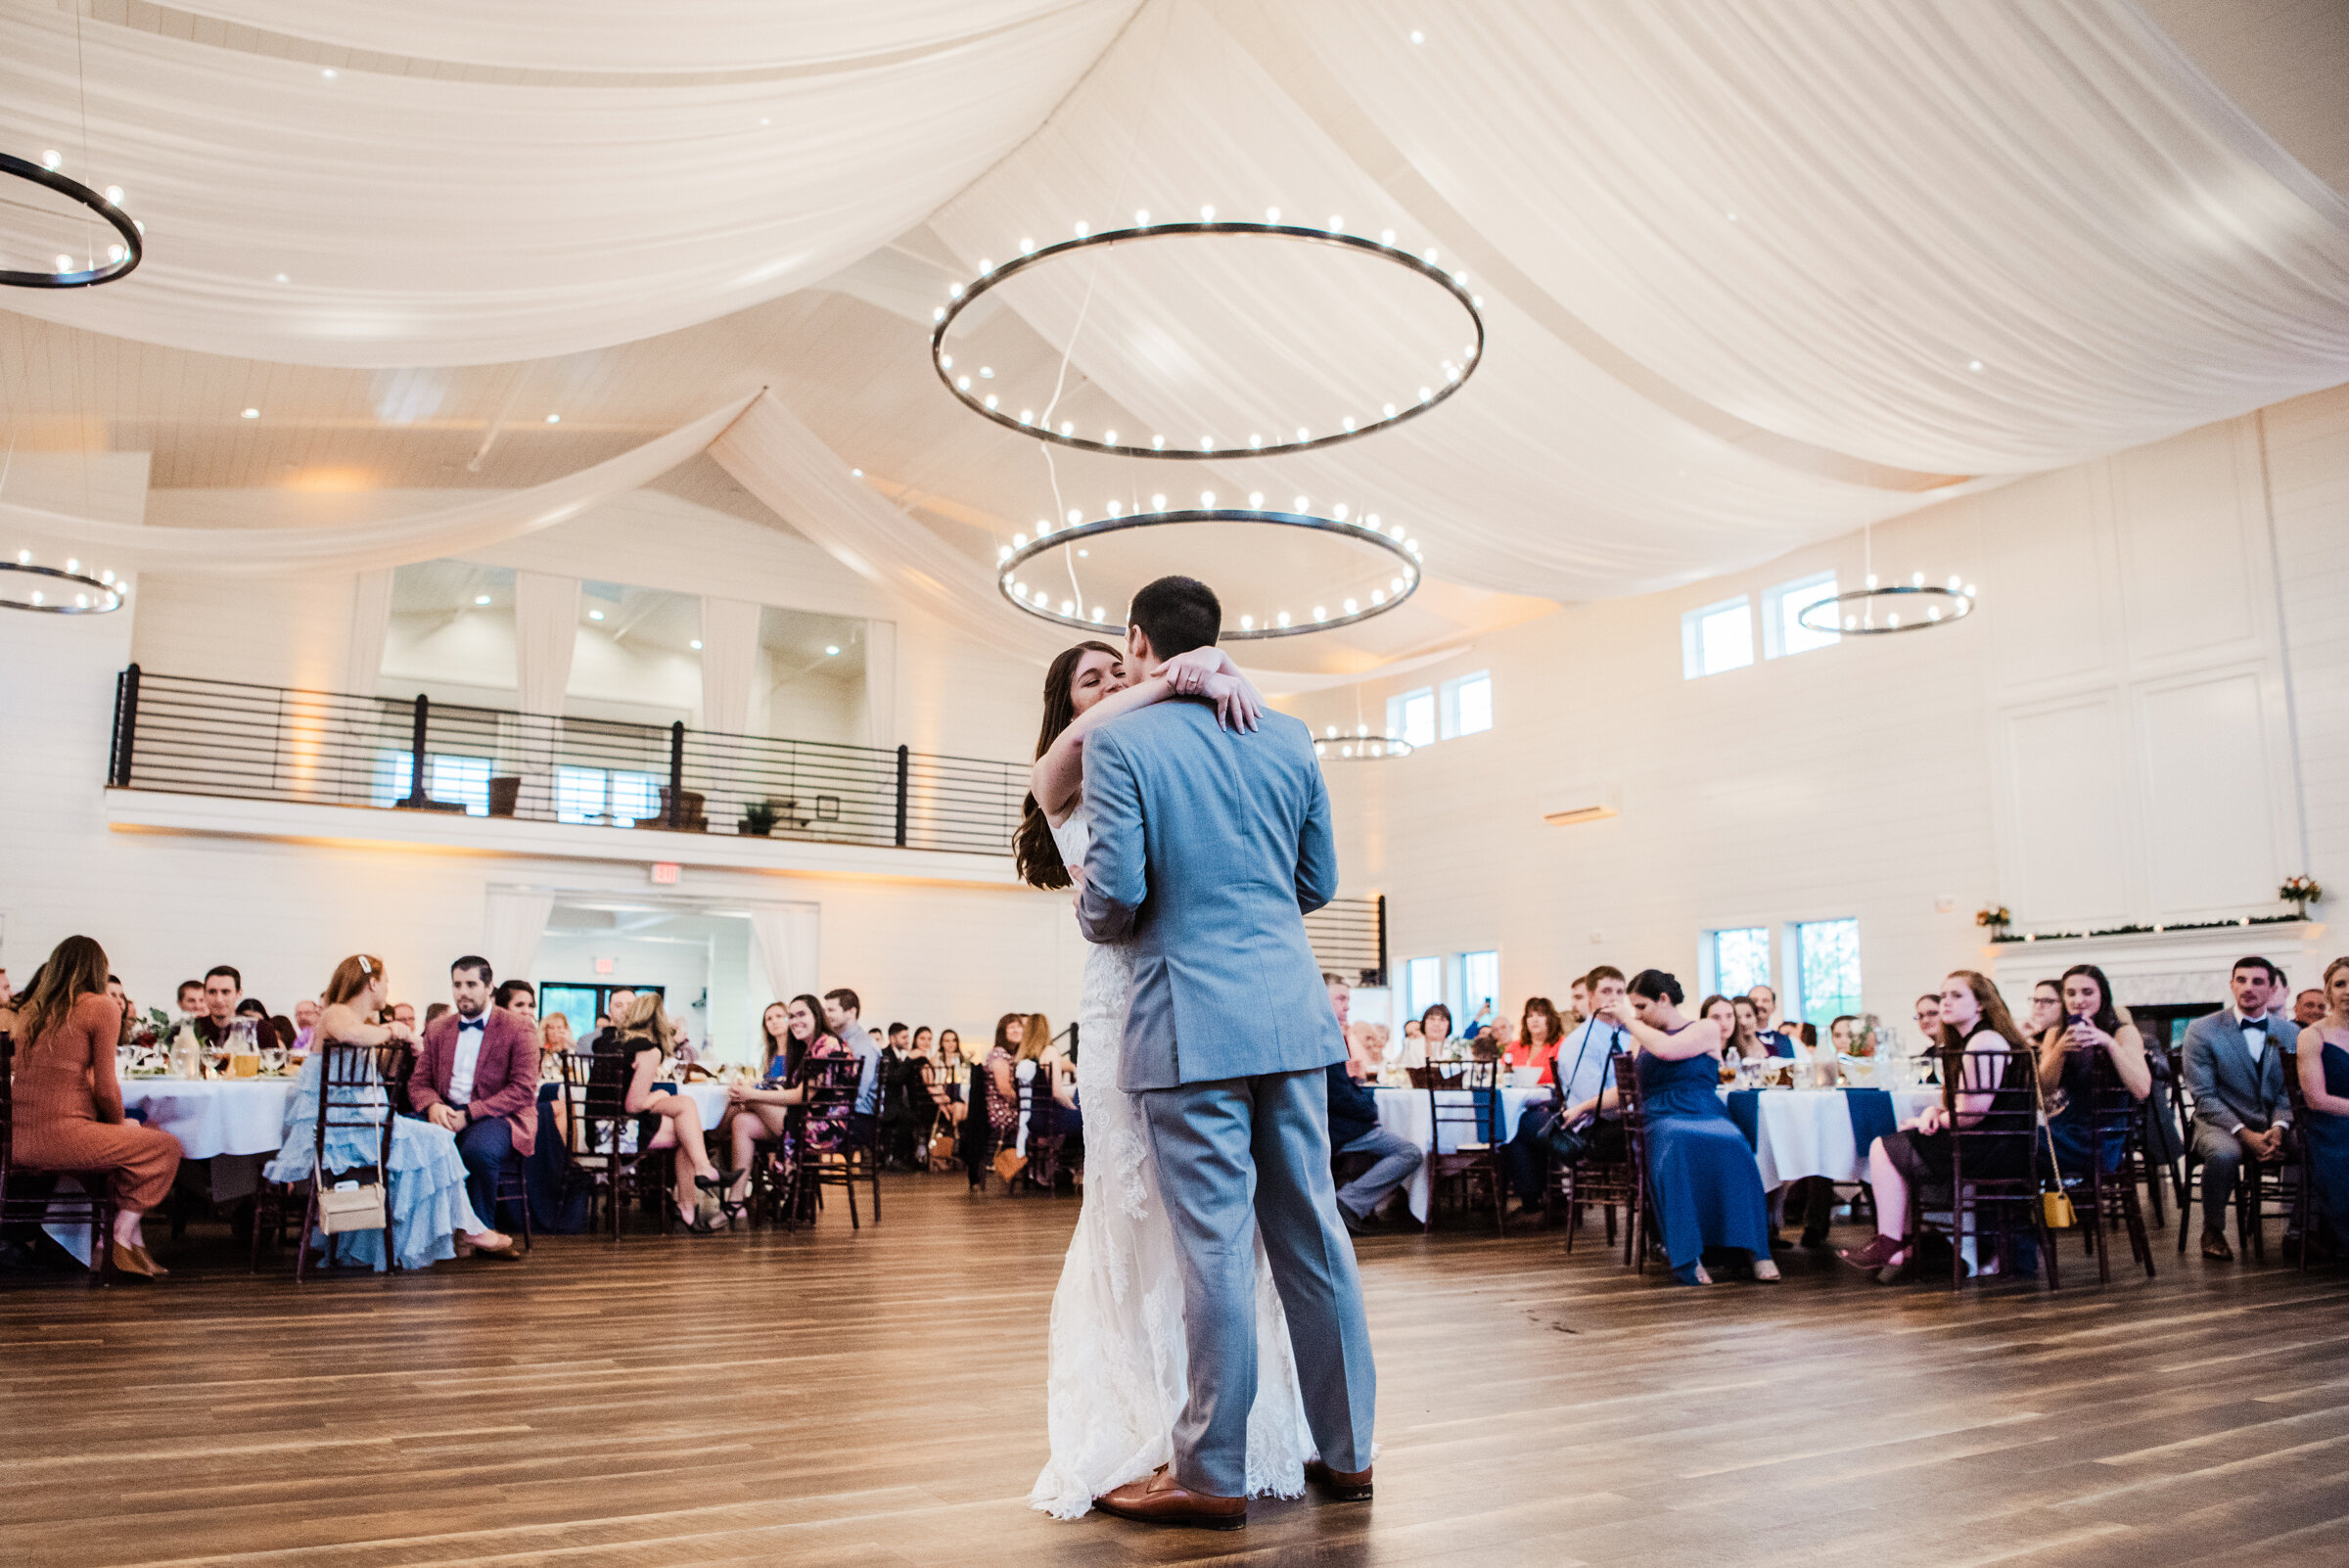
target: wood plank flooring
875 1399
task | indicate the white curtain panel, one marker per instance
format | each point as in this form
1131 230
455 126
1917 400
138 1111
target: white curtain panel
779 460
306 205
729 664
790 948
547 631
370 625
513 926
371 546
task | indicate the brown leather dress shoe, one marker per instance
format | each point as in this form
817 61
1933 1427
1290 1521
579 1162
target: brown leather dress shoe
1338 1486
131 1262
2215 1248
1159 1499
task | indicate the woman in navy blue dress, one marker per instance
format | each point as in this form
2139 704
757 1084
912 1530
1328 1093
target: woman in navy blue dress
1701 1176
2324 1068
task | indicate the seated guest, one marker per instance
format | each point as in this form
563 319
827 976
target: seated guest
2046 1009
1354 1127
1407 1050
431 1218
69 1104
2322 1063
2234 1067
950 1052
788 1035
1436 1043
477 1077
1972 1022
516 997
1773 1039
665 1120
1842 1035
434 1012
253 1012
2086 1022
1577 1007
941 1065
555 1042
1539 1029
841 1022
223 991
306 1023
1928 1019
190 1000
2308 1008
1002 1082
1700 1171
404 1014
1740 1024
1583 1073
621 1003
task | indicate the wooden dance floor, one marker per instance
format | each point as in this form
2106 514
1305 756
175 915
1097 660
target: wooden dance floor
843 1399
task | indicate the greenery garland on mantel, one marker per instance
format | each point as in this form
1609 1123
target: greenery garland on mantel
2002 935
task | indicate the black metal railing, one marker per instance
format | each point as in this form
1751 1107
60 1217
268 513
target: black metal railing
267 743
1349 939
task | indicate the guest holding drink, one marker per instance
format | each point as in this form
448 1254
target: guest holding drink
69 1104
788 1032
430 1217
1706 1186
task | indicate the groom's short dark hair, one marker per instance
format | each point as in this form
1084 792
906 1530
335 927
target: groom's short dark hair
1177 614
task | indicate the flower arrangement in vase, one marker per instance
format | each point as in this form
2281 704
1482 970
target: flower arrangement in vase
1993 919
2300 891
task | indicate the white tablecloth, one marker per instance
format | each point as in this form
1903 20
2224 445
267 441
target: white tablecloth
1408 1114
212 1117
1808 1133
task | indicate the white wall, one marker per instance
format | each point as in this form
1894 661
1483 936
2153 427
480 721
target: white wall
2107 739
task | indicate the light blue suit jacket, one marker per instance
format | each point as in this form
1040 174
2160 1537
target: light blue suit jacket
1210 846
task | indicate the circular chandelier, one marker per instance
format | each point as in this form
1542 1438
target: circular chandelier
1255 626
121 257
50 591
1452 375
1877 611
1359 747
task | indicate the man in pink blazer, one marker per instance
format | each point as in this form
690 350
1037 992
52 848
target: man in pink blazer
477 1075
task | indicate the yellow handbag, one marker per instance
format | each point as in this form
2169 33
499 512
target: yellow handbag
2056 1207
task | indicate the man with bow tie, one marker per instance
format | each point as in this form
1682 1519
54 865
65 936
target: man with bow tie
2236 1060
477 1075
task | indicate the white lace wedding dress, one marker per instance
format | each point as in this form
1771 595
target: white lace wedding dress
1115 1381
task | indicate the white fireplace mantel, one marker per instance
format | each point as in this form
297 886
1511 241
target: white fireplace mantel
2146 967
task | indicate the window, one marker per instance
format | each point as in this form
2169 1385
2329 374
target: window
1467 705
1422 985
1479 983
1718 637
464 779
1741 960
586 794
1782 630
1826 958
1411 716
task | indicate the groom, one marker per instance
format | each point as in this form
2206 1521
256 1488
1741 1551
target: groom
1208 847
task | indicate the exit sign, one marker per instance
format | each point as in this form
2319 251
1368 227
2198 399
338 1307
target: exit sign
664 872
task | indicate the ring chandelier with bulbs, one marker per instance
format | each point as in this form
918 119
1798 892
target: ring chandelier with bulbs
1877 611
1277 621
1453 376
1359 747
52 591
122 256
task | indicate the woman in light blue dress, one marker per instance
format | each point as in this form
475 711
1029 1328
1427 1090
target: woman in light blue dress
431 1218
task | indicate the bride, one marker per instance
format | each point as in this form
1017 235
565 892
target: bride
1116 1378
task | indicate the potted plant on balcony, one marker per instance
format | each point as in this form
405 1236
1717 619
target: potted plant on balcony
758 818
504 794
2300 891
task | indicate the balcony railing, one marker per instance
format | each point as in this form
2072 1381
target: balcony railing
268 743
189 736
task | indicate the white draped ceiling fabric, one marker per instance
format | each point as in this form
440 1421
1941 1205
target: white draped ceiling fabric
517 180
546 634
1755 272
729 664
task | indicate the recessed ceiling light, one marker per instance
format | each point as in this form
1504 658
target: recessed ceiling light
282 278
855 472
328 73
697 645
250 413
480 598
831 649
1973 364
554 419
595 615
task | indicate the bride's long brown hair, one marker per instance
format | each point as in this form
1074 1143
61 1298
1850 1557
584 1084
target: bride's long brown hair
1031 846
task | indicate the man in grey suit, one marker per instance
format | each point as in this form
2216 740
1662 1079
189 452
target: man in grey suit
1208 847
2234 1066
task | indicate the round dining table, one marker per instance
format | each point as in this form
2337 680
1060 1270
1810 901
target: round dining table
1410 1115
213 1116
